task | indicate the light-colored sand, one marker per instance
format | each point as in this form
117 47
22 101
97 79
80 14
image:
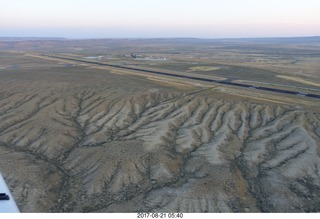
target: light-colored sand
300 80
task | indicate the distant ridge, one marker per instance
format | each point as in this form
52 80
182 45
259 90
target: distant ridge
30 38
280 40
305 39
259 40
302 39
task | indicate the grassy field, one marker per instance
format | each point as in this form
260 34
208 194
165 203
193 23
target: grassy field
203 68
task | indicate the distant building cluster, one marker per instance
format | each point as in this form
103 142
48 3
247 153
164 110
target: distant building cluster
143 57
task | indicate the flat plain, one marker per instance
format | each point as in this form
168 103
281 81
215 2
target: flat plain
81 137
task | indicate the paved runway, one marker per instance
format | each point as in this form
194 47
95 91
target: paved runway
226 82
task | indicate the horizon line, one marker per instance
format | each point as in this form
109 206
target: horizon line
137 38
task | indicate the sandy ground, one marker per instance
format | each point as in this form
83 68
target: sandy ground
300 80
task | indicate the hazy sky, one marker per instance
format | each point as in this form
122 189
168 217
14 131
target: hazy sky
159 18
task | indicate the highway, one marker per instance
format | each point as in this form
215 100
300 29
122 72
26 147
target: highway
225 82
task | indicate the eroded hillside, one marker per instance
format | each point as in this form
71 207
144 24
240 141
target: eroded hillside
94 149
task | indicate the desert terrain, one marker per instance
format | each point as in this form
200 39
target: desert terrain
82 137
